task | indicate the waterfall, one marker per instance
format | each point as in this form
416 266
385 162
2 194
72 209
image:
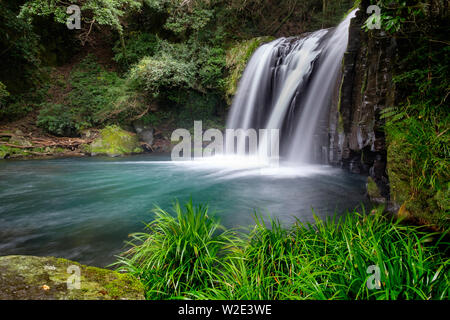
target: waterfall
288 85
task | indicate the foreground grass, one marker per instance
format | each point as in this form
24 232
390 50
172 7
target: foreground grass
190 256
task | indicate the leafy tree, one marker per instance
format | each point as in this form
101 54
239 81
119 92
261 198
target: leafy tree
19 53
93 12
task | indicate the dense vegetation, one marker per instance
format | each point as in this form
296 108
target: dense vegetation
417 126
170 61
189 255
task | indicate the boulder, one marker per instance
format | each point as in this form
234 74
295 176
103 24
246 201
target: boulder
114 141
144 132
49 278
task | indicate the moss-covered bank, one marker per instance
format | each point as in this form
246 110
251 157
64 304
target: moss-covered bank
45 278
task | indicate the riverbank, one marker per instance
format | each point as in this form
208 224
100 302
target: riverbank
187 254
24 140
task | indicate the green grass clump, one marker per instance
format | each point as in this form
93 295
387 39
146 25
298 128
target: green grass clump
330 260
190 256
178 255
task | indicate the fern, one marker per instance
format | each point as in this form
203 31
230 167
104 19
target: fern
392 115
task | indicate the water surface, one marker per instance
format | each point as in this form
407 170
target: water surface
83 209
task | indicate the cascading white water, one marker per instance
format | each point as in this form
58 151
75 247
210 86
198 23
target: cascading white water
318 96
287 85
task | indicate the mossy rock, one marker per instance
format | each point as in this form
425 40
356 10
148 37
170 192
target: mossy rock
374 192
398 170
46 278
237 59
424 205
114 141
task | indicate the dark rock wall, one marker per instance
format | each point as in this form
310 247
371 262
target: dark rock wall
357 139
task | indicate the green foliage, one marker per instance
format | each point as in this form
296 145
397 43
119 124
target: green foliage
183 21
178 254
19 54
184 18
246 19
58 119
179 257
163 72
417 126
3 94
138 45
189 65
6 151
401 17
97 97
192 106
17 106
282 17
185 79
329 261
102 12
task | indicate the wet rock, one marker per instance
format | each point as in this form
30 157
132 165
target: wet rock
144 132
374 193
357 138
47 278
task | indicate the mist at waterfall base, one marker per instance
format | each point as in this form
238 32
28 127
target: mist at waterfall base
84 208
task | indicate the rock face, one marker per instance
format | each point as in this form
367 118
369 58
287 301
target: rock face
114 141
357 136
45 278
